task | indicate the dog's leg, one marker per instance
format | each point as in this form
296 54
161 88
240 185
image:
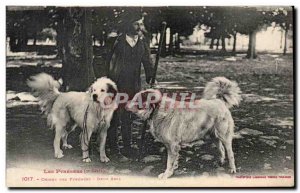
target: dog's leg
65 137
222 151
175 165
103 135
58 153
172 162
65 140
224 132
85 140
228 146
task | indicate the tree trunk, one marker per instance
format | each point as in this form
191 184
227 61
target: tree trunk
60 37
63 30
285 40
94 41
251 53
22 40
171 50
88 48
12 43
281 37
157 39
104 37
234 44
34 38
164 46
177 43
223 43
211 46
77 72
218 41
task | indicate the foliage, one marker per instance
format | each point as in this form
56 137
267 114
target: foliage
222 22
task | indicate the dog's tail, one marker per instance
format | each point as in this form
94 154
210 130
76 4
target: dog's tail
224 89
45 88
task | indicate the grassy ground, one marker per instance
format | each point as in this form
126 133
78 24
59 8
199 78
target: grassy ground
264 118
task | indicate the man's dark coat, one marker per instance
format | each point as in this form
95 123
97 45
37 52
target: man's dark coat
125 64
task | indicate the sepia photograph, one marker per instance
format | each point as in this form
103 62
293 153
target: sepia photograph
150 96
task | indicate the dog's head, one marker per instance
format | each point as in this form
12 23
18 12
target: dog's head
144 102
103 91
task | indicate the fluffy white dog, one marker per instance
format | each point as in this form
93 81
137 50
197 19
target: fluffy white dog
90 110
176 127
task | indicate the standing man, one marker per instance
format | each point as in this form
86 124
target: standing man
129 52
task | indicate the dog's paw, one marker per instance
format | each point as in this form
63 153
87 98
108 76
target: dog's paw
161 176
232 170
87 160
67 146
59 154
104 159
164 175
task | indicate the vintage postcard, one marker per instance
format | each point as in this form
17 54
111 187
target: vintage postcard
165 96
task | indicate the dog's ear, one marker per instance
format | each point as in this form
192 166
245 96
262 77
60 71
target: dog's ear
58 83
112 90
90 90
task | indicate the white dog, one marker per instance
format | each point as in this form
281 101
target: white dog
177 128
90 110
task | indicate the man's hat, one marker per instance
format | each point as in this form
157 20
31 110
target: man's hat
130 15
